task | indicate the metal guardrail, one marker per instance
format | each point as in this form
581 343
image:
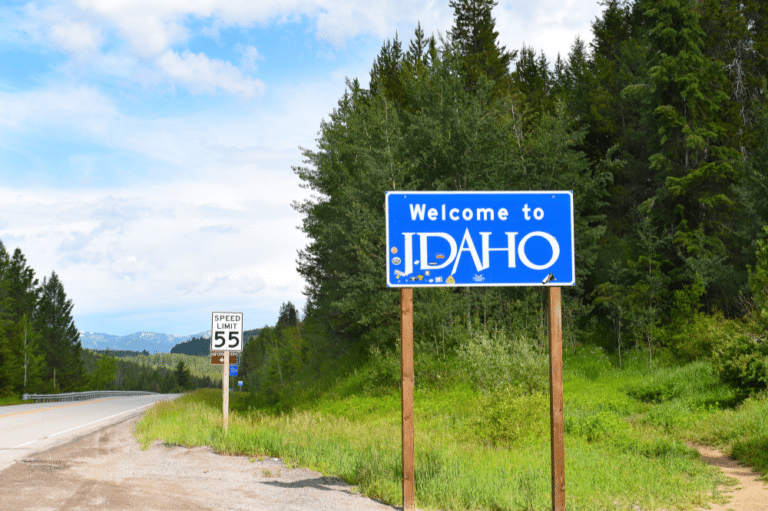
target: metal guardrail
79 396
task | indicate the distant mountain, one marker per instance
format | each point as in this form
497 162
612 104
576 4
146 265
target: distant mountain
139 341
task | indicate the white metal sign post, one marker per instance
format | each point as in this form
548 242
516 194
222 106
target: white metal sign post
226 336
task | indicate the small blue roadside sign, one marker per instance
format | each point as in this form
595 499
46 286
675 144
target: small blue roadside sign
233 370
480 238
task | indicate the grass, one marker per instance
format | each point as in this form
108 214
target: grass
626 433
13 400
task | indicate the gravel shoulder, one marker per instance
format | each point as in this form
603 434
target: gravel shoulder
749 494
108 470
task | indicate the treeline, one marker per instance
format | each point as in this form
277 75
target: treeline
659 126
108 372
276 355
120 353
40 347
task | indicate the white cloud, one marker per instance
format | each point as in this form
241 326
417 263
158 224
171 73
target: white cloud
548 25
153 26
55 107
76 37
202 74
249 57
149 27
98 241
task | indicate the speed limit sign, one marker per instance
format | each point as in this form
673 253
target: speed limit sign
227 331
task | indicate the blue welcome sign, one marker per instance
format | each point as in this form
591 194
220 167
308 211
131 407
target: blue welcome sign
480 238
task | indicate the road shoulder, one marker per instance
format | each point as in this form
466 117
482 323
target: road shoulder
107 469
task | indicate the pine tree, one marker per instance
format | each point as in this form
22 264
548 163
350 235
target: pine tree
183 375
385 75
19 358
11 361
4 284
33 360
560 75
22 286
618 54
288 316
533 79
736 33
474 38
104 372
578 79
693 164
53 320
418 49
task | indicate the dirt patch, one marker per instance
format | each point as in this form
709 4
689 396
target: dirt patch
108 470
749 494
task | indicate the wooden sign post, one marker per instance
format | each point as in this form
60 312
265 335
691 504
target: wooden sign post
225 390
406 334
557 439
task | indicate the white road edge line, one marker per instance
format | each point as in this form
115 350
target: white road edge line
99 420
81 426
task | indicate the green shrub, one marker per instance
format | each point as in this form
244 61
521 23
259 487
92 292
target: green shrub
594 426
495 361
698 336
383 371
670 415
743 363
510 416
589 361
655 390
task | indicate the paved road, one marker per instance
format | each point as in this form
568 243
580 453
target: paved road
31 428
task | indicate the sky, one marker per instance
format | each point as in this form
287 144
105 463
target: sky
147 146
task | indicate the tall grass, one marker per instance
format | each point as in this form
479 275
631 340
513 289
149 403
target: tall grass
13 400
474 451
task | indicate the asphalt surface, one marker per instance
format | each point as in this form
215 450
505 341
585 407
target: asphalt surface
27 429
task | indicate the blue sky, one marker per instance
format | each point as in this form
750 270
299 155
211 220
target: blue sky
146 146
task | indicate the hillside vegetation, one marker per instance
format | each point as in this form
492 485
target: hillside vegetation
626 432
161 372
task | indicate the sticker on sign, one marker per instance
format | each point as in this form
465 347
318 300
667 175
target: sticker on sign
480 238
227 331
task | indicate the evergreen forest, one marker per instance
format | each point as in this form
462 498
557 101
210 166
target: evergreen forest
40 349
659 126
